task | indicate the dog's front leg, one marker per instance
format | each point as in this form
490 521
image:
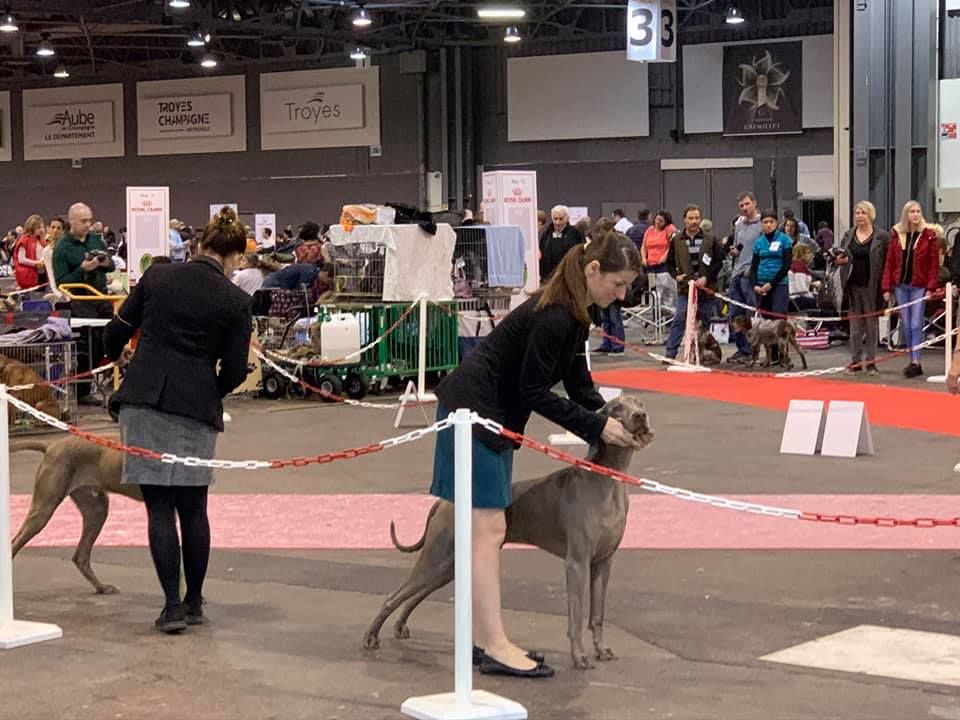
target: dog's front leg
599 575
578 579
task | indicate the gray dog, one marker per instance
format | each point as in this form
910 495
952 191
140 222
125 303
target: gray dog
572 513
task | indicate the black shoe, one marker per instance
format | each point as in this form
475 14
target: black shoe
912 370
872 369
489 666
478 654
171 620
193 612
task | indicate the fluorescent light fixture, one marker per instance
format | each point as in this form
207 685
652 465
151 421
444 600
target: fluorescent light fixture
8 24
512 34
45 49
735 15
209 60
493 12
358 53
197 39
61 72
361 18
179 4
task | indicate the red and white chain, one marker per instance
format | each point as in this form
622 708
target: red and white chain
62 381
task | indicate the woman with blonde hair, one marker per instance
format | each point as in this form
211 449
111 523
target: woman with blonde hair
910 273
28 265
863 252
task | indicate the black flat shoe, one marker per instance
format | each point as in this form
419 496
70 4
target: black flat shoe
193 612
172 620
478 653
489 666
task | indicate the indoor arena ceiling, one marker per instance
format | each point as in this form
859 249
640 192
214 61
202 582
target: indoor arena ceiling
93 36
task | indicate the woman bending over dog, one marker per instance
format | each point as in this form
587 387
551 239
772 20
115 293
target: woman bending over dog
510 375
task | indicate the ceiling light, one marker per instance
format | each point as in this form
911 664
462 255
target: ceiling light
512 35
8 24
361 18
500 12
197 39
61 72
358 53
235 15
45 49
209 60
179 4
735 15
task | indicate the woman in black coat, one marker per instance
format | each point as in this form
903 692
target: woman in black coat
191 317
507 377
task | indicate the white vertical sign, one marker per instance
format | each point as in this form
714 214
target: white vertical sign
148 226
262 221
652 27
510 198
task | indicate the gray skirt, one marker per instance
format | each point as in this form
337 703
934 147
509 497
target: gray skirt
144 427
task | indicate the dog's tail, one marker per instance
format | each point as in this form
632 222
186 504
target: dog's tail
423 538
35 445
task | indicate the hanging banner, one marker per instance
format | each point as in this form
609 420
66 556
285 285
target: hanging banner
185 116
652 30
763 88
148 223
73 122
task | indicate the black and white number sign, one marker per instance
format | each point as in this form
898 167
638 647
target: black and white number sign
652 27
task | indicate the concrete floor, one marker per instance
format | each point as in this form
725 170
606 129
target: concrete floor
689 626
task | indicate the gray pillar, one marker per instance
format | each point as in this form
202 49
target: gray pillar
841 115
903 108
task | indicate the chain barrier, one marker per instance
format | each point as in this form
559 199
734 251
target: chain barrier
17 293
64 380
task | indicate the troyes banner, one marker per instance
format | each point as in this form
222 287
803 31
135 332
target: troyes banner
334 107
652 30
763 88
161 118
69 124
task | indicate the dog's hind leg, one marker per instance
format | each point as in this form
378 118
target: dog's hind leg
94 506
599 576
400 629
42 507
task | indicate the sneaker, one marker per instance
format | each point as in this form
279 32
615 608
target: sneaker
872 369
193 612
738 358
172 620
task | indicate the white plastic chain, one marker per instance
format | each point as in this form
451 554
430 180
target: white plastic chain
808 318
682 493
172 458
802 373
16 293
98 371
324 360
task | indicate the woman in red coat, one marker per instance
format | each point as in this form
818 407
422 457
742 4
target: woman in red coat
28 254
910 272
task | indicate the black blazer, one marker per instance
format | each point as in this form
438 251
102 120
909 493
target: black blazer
553 249
512 372
191 317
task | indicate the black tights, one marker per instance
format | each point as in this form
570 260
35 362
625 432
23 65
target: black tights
164 504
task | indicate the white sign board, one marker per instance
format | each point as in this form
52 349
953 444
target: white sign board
261 222
847 433
803 427
184 116
577 213
320 108
215 208
652 27
148 226
510 198
73 122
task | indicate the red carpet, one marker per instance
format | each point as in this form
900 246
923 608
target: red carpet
362 522
927 410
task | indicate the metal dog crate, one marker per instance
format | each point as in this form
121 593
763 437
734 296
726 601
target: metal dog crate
471 257
358 270
49 362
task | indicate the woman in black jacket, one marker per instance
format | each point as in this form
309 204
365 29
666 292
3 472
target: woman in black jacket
191 317
508 376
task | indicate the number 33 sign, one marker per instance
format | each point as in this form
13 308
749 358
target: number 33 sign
652 30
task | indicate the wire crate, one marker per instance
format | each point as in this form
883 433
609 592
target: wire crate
358 270
488 258
39 363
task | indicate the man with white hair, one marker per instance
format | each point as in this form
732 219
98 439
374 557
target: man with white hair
556 239
178 248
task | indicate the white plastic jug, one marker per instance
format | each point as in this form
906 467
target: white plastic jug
340 336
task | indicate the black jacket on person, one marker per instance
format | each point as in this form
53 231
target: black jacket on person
191 317
878 256
512 372
553 249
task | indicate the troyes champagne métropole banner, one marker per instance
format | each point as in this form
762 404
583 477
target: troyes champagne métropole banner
763 88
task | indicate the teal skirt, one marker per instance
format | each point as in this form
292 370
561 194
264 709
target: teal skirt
492 470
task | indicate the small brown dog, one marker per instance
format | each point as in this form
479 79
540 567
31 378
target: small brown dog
710 351
764 332
14 373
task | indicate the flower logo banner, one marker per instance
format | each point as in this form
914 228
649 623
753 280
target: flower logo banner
763 88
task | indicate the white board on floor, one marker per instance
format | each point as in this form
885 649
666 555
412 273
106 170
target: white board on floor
847 431
802 429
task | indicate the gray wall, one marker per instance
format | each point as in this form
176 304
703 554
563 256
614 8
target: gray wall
340 175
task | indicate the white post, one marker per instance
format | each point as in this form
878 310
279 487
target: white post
464 703
13 633
422 350
948 341
691 352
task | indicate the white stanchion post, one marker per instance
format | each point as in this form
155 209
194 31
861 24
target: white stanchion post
948 341
464 703
418 393
13 633
691 351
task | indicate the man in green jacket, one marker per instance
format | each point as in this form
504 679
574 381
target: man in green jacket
81 257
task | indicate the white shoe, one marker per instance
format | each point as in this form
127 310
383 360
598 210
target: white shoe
227 418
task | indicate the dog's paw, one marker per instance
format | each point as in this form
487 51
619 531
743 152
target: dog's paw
107 590
582 662
605 655
371 642
401 631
